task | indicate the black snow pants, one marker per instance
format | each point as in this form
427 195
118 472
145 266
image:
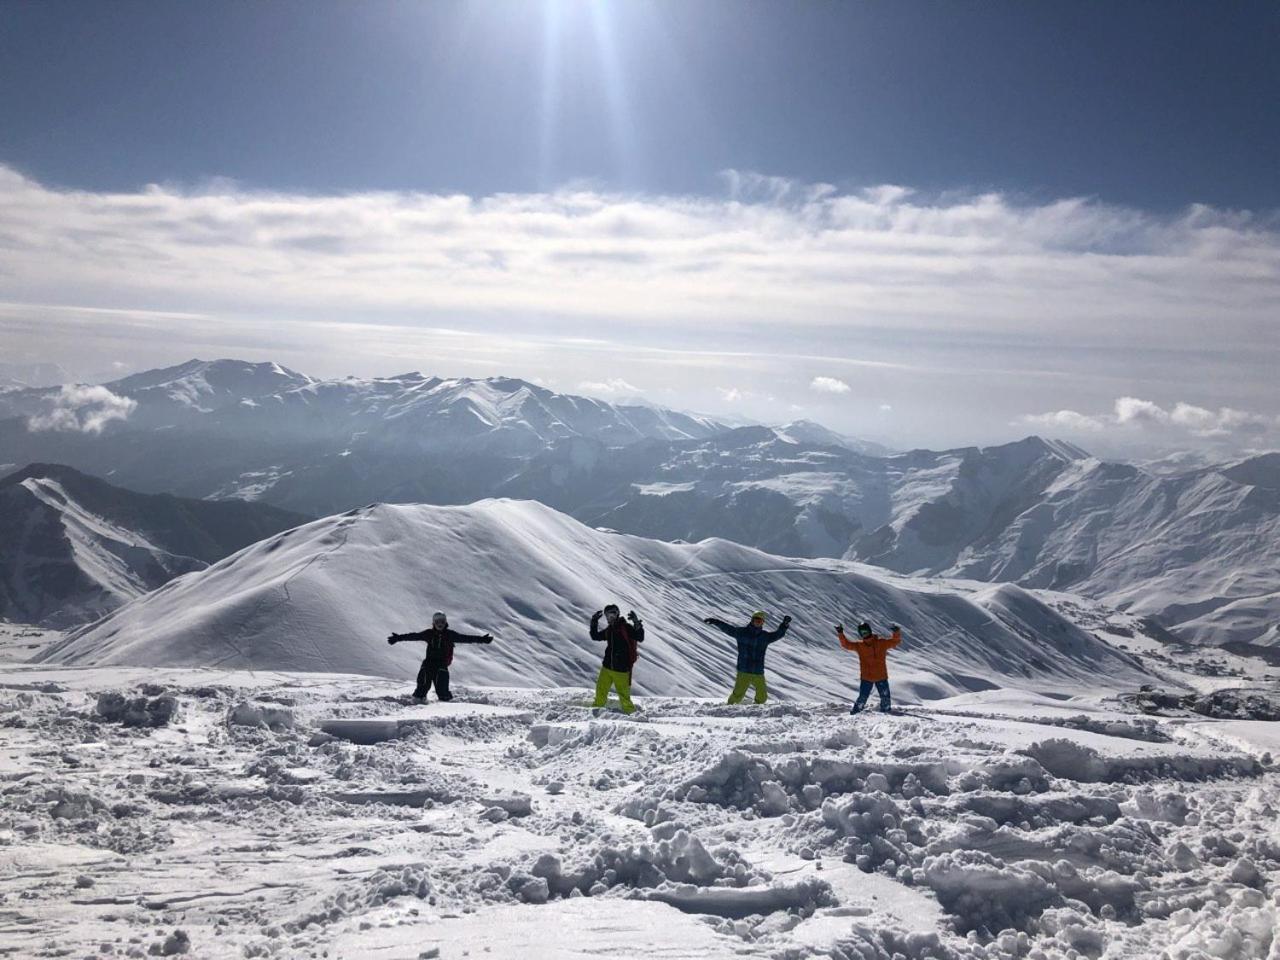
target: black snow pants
433 672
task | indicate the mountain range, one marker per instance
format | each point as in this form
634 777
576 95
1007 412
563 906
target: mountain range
73 547
1194 546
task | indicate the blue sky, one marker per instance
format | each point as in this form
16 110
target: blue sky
979 219
1149 104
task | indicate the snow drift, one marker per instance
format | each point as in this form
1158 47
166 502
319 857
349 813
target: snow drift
323 597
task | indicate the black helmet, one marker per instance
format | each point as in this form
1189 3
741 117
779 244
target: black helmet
864 630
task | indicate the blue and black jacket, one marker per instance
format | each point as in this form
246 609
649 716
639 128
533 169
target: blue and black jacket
753 641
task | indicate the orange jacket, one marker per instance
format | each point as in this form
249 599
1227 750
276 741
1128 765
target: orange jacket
871 653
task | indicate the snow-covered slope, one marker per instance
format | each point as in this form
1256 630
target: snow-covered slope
1198 550
809 432
73 547
323 597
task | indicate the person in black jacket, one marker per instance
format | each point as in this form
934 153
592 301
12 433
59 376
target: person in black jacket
753 640
435 665
621 639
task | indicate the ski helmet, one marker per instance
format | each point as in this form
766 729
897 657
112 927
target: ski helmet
760 615
864 630
438 619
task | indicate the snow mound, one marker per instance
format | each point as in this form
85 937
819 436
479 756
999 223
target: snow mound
323 597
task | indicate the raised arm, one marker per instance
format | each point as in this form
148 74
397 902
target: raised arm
780 632
596 633
637 628
845 641
895 637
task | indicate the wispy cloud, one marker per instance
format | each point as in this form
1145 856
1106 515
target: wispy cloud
615 387
82 409
828 385
779 251
1149 420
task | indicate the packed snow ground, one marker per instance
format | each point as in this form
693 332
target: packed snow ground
277 814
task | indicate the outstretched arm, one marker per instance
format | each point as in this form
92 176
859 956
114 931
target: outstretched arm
722 626
470 637
780 632
402 637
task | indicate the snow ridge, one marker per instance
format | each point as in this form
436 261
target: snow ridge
323 597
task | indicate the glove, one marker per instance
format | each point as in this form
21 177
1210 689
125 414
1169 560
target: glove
893 627
487 638
597 615
839 628
709 621
631 615
393 638
785 621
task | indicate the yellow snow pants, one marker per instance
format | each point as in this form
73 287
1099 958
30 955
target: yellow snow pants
619 681
749 680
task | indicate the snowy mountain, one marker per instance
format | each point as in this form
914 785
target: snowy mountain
323 597
811 433
19 376
227 428
1198 550
73 547
1190 543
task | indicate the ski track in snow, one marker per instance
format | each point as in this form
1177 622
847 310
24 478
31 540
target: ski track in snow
283 814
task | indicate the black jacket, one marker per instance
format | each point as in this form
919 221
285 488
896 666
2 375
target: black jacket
620 639
439 642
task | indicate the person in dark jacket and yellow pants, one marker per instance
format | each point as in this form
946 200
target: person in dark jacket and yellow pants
621 639
873 669
753 641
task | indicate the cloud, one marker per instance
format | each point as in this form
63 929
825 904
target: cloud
828 385
82 409
773 251
1144 417
731 394
614 387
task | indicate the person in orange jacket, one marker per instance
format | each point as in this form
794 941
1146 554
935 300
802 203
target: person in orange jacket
871 650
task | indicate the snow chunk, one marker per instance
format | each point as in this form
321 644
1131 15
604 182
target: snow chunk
734 903
250 714
140 711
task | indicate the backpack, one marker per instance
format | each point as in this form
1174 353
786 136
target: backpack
634 647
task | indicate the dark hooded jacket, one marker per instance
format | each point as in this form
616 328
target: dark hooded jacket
620 639
753 641
439 642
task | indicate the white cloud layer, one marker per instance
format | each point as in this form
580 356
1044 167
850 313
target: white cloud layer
785 252
82 409
828 385
614 387
1145 417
